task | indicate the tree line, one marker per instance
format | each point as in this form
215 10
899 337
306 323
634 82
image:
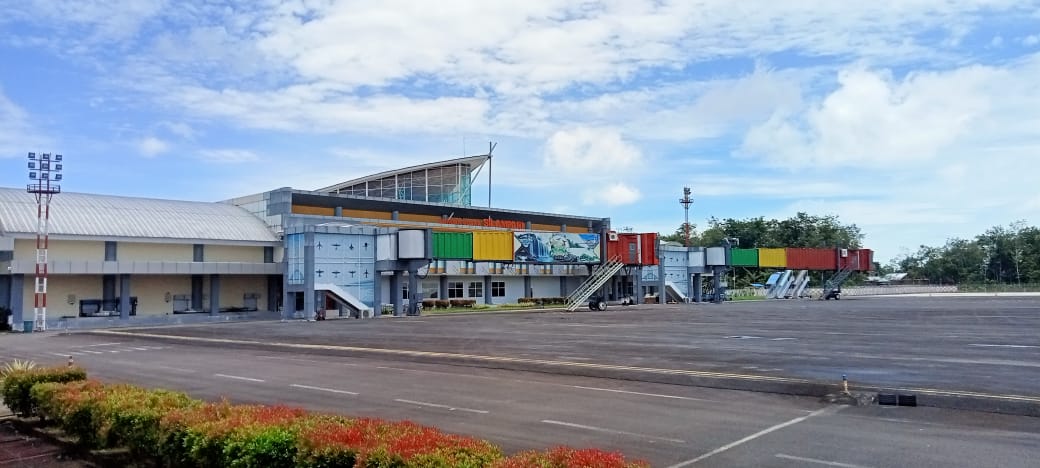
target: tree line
800 230
1003 254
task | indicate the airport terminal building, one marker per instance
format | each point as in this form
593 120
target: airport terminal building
367 246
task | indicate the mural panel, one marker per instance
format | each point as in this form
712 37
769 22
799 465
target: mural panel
555 247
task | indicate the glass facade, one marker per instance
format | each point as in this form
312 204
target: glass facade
449 184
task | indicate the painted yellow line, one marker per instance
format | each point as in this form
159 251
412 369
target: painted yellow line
585 365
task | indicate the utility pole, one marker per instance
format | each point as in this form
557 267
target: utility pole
686 201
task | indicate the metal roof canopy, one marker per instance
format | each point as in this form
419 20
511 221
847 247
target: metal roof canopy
471 161
326 200
82 215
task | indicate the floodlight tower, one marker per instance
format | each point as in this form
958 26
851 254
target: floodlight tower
44 175
686 201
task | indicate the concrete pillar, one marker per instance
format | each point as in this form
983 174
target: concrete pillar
661 295
196 292
414 292
527 287
563 287
288 304
308 275
487 290
377 294
637 286
442 288
698 288
17 300
395 292
214 295
124 297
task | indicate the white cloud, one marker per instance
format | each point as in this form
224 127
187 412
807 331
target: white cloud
180 129
152 146
227 156
614 194
997 41
1031 40
17 135
875 120
589 152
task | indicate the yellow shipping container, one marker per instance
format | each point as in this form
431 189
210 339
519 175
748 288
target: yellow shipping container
776 258
493 245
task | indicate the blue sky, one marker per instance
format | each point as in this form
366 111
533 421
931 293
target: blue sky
917 120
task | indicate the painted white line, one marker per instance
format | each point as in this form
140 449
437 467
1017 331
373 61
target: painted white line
78 353
279 358
92 352
178 369
829 410
656 395
102 344
434 405
141 349
1002 346
610 431
59 355
114 351
818 462
321 389
235 377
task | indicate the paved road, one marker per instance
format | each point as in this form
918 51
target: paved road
668 425
985 345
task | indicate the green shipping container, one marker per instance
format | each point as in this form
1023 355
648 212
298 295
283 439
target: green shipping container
744 257
453 245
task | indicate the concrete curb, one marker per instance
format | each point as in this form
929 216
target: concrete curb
939 398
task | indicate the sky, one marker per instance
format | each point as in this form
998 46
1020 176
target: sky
917 120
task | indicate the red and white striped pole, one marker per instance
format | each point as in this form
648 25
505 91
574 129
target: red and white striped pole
42 171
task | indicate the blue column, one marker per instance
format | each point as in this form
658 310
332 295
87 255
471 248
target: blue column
196 292
717 283
288 304
698 287
214 295
487 290
395 292
377 294
563 286
272 292
527 286
17 301
414 293
637 286
124 297
442 291
5 291
308 275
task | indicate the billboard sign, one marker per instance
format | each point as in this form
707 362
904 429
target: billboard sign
556 247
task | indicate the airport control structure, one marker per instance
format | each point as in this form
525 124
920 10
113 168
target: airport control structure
385 244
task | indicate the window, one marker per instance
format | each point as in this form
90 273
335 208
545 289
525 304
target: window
456 290
498 289
476 289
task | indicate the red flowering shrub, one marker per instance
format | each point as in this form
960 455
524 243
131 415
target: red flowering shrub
221 434
566 457
376 443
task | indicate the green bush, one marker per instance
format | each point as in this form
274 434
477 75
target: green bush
18 384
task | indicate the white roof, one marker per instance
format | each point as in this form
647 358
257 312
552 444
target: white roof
107 216
471 161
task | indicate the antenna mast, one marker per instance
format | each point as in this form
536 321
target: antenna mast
686 201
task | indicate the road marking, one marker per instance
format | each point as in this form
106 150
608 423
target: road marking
828 410
140 349
114 351
657 395
610 431
59 355
78 353
1003 346
818 462
322 389
434 405
101 344
564 364
235 377
309 360
92 352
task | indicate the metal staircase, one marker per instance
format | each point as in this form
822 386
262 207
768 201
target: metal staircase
832 288
599 277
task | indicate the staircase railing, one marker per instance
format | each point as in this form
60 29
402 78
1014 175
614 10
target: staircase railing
599 277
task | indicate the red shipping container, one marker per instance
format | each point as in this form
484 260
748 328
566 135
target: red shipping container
649 253
859 259
812 259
